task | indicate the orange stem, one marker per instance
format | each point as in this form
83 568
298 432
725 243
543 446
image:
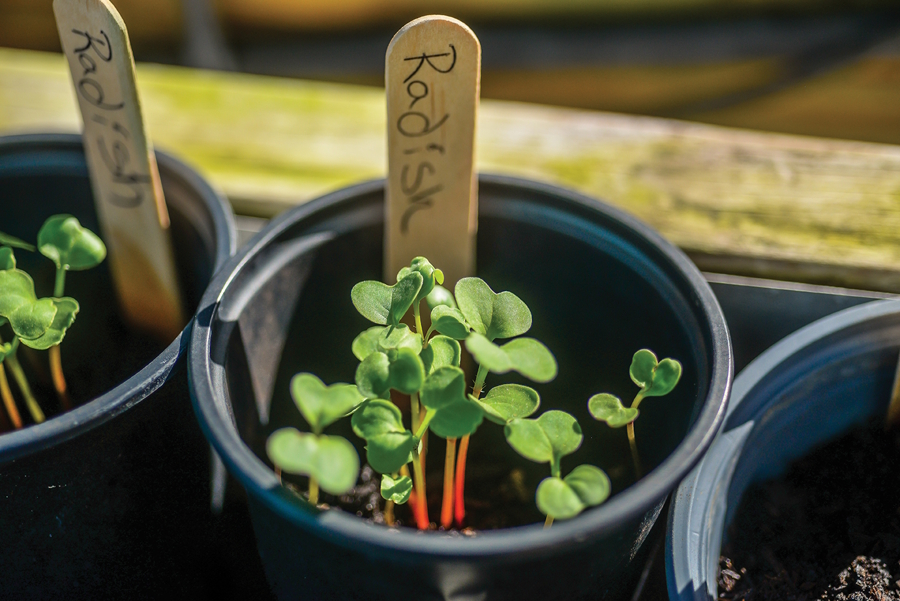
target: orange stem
459 504
447 505
59 380
8 400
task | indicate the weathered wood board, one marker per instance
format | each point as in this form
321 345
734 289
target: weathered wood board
740 202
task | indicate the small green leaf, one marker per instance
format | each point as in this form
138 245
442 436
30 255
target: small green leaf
7 240
7 258
407 373
389 444
590 483
376 417
564 498
447 385
524 355
562 431
457 419
384 338
337 465
440 296
396 489
555 498
63 240
430 275
383 304
656 379
323 405
387 453
528 439
449 322
373 376
16 289
441 351
66 310
292 451
493 315
31 320
608 408
331 460
509 401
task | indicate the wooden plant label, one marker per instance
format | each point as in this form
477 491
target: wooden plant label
134 221
432 80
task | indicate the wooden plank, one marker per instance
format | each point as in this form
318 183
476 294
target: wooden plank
742 202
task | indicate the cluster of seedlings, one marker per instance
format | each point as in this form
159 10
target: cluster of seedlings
40 323
425 366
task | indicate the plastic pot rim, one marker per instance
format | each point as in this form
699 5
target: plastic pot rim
689 517
152 376
634 501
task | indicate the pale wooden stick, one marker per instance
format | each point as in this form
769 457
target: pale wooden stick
134 221
432 80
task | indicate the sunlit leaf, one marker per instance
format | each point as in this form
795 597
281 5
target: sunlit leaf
524 355
389 444
331 460
384 338
493 315
457 419
440 352
546 439
557 499
509 401
323 405
396 489
66 310
64 241
656 379
440 296
445 386
449 322
430 275
608 408
31 320
407 373
383 304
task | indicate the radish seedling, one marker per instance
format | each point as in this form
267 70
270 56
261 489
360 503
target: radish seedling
655 378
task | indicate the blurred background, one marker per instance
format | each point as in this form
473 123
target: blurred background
820 67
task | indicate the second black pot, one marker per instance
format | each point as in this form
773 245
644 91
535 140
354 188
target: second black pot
600 285
110 499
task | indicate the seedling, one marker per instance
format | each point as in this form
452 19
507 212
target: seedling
548 439
330 462
425 366
41 323
655 378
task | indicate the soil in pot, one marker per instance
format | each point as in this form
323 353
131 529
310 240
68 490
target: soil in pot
828 529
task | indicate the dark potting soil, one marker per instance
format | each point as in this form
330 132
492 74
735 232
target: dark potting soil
828 529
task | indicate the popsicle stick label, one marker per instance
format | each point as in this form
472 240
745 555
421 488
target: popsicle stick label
432 80
134 221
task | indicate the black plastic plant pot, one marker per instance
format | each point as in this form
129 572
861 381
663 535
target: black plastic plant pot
111 498
789 400
600 284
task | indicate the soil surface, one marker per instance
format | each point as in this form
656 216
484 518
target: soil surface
829 529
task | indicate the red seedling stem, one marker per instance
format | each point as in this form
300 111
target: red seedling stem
447 504
459 505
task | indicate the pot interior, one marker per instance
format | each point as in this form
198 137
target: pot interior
598 292
45 175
